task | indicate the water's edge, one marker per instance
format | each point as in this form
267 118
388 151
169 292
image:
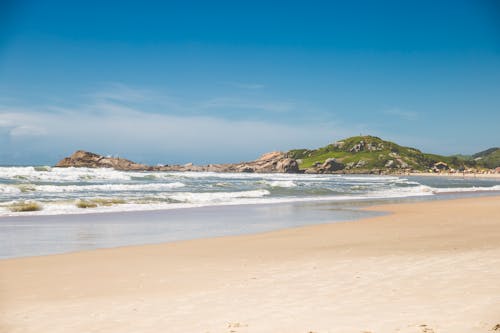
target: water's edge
24 236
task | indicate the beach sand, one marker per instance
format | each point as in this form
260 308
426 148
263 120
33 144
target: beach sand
427 267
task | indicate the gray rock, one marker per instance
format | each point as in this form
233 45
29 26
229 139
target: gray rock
331 164
287 165
360 164
247 169
403 164
358 147
90 160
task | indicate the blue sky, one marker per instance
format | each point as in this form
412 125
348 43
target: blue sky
220 81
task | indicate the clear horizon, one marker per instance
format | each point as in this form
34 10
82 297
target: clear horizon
214 82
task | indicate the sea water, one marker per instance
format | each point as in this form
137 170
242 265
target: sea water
152 207
60 190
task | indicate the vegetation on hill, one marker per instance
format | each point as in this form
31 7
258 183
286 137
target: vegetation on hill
357 154
489 158
362 153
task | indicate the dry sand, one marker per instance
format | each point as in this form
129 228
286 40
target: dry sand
428 267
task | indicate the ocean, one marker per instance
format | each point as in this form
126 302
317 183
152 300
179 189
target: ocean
83 208
85 190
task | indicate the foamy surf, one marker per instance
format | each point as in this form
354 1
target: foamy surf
34 190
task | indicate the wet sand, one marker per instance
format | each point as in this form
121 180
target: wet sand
427 267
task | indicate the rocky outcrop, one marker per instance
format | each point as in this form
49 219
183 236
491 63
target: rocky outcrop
287 165
363 146
90 160
274 162
355 155
331 165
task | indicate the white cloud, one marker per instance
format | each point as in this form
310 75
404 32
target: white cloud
237 103
403 114
27 130
154 137
121 93
19 124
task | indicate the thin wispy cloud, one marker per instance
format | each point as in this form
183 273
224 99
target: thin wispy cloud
119 92
245 85
236 103
18 123
402 114
149 100
108 126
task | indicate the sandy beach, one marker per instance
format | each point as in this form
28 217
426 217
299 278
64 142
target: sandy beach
426 267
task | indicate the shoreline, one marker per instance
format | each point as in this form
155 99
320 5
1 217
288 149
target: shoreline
190 223
190 220
57 195
428 265
455 175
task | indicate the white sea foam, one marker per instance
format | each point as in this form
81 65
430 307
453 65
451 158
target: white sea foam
192 200
281 183
9 189
372 178
214 197
250 176
62 174
53 174
466 189
57 189
402 192
108 187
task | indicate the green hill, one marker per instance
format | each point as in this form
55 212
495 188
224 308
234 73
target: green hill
489 158
369 153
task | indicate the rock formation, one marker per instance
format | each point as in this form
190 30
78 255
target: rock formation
329 166
354 155
90 160
267 163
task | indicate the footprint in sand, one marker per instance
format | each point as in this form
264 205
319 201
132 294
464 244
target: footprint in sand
426 329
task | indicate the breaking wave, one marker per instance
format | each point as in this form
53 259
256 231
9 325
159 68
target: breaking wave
58 190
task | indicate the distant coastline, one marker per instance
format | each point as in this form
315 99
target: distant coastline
354 155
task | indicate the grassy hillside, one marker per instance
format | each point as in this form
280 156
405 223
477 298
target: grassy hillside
489 158
360 153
